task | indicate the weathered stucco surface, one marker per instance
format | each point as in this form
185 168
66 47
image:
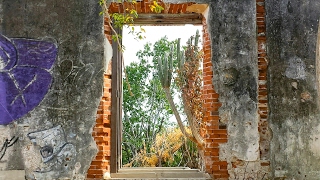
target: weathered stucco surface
54 128
55 136
292 28
234 57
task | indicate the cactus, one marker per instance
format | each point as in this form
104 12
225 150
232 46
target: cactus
165 69
188 81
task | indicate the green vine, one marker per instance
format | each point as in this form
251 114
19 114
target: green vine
125 19
119 20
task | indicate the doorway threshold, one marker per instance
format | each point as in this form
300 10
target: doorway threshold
160 173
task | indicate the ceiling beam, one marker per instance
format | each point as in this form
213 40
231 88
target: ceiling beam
168 19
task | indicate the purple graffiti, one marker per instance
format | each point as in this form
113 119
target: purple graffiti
24 75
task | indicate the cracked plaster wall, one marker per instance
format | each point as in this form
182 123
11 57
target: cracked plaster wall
55 136
292 28
68 109
234 59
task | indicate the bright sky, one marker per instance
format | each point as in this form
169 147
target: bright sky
154 33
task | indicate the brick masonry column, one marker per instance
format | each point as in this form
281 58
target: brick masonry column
102 130
264 131
101 133
215 131
235 66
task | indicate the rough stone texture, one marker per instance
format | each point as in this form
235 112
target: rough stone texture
55 137
292 28
234 57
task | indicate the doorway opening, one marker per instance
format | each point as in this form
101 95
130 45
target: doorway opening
177 17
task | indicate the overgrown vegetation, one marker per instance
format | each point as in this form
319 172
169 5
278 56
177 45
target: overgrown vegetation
147 141
150 138
126 18
170 148
189 81
145 109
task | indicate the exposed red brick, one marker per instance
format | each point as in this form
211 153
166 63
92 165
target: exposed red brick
101 133
262 89
213 135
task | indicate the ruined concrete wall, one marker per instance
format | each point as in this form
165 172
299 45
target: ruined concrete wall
215 132
102 130
51 76
234 57
292 28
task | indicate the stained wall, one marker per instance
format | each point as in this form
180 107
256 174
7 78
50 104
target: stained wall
51 76
261 75
292 33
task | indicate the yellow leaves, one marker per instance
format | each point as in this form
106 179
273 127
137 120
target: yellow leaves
134 13
128 18
142 29
167 140
134 2
152 8
163 148
153 160
155 7
169 149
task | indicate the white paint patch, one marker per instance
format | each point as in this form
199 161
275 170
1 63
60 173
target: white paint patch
107 175
318 65
206 13
108 54
77 167
290 143
243 52
314 142
252 141
4 134
280 173
262 82
2 64
252 152
31 157
296 69
224 152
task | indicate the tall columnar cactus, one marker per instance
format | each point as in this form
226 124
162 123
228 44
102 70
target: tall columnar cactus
189 81
165 69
